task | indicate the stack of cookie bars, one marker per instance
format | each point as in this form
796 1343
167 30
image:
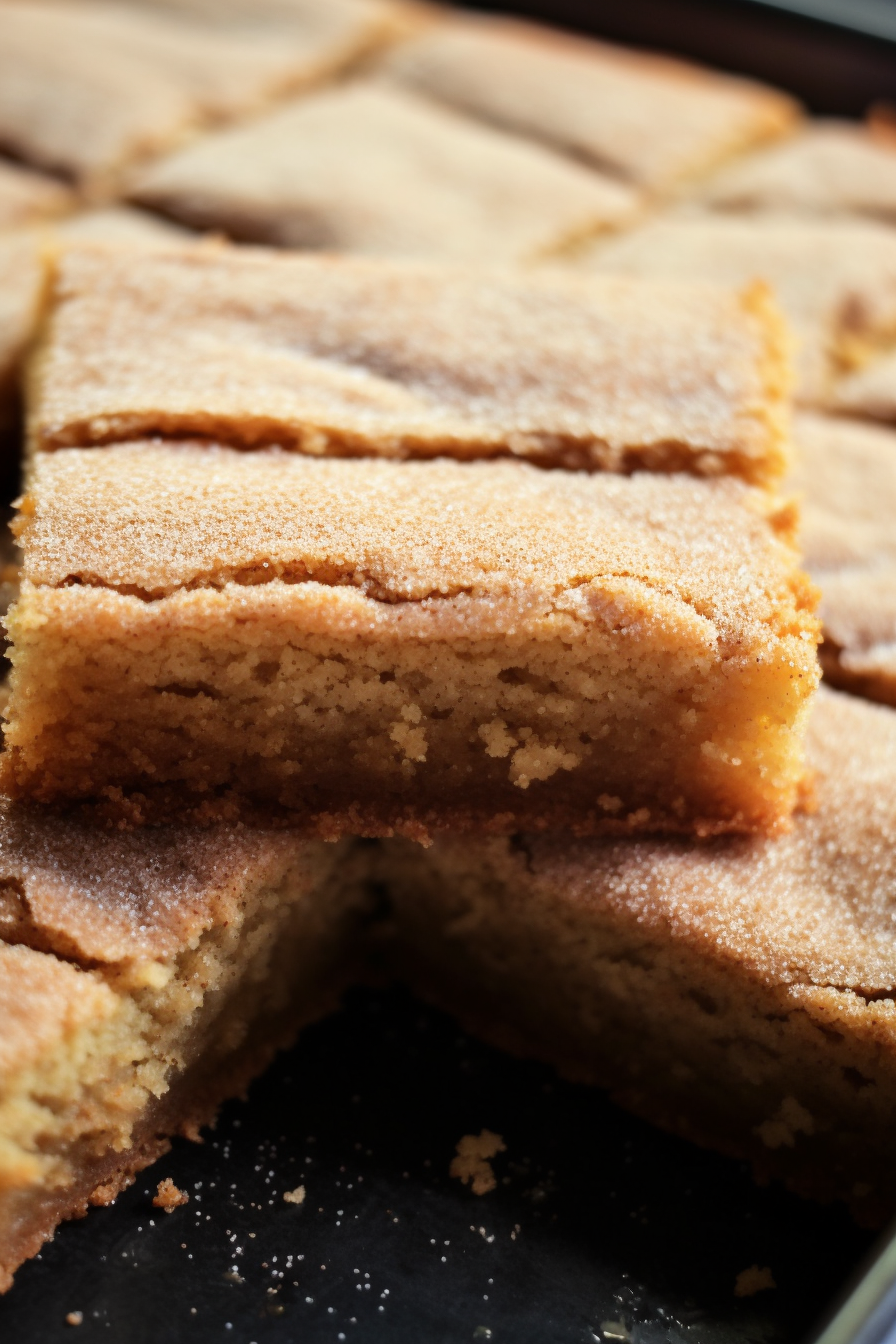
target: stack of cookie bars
441 494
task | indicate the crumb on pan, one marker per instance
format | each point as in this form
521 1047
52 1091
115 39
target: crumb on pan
169 1197
472 1165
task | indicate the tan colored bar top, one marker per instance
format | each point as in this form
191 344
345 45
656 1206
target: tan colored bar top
649 119
87 88
362 357
835 279
374 169
27 197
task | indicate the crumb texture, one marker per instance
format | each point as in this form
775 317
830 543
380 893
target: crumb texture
43 1000
98 1067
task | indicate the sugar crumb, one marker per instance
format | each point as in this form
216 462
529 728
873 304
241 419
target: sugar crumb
169 1197
296 1196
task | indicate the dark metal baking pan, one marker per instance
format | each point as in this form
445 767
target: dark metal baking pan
601 1227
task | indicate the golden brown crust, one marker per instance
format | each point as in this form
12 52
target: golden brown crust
784 911
363 357
189 516
749 985
649 119
366 168
24 263
197 955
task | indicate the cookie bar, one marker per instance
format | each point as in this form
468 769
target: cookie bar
846 472
376 170
741 993
24 269
143 979
27 197
835 280
869 388
829 168
88 88
650 120
21 285
356 356
377 646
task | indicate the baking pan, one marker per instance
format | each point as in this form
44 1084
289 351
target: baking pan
601 1228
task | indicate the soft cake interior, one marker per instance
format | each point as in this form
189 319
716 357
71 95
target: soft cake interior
153 1043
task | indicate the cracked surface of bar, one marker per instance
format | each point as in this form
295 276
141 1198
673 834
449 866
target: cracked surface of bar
741 993
372 646
355 356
